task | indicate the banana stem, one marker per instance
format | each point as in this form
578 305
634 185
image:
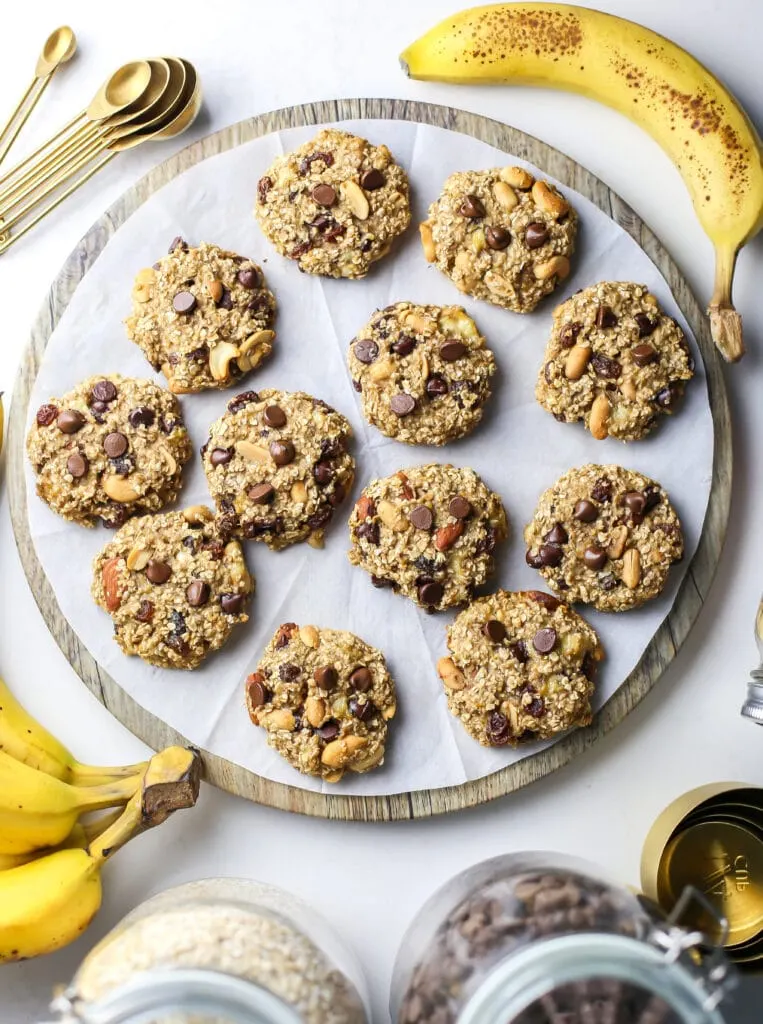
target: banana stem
97 775
95 798
127 825
725 322
98 826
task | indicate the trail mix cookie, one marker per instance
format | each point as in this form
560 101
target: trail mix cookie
614 360
203 316
428 532
423 372
606 536
111 448
277 466
325 697
522 666
501 236
335 205
173 587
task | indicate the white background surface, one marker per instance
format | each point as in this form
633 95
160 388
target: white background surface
370 879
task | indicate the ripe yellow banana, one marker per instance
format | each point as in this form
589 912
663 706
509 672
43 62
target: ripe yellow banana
27 741
83 833
49 902
660 86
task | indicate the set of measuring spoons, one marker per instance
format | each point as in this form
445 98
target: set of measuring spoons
142 100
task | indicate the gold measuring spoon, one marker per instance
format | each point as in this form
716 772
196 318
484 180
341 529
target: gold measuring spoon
57 49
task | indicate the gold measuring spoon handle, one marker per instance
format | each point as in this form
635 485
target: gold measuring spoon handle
80 118
55 161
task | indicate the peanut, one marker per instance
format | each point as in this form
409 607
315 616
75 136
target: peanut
138 559
356 199
505 195
111 589
599 417
389 712
219 359
298 491
253 452
617 542
578 358
557 265
281 718
381 370
452 677
628 389
119 489
420 324
308 635
337 753
447 536
145 276
517 177
631 568
141 293
427 242
315 711
198 514
548 200
391 516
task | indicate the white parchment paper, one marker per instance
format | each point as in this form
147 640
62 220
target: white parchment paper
519 450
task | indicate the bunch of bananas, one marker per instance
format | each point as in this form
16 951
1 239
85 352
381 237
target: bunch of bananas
51 859
661 87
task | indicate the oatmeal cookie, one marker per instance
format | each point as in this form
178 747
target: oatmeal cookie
606 536
202 316
423 372
428 532
522 666
325 697
111 448
335 204
277 466
173 587
501 236
614 360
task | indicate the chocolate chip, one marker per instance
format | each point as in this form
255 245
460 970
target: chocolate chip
46 414
369 532
536 234
324 195
326 677
459 507
472 207
264 185
498 729
184 302
371 179
569 333
178 644
221 456
158 572
323 473
288 672
361 679
366 351
605 367
178 243
431 593
77 465
668 397
652 497
494 630
282 452
248 278
497 238
520 652
242 400
99 410
261 494
329 730
605 318
274 416
362 710
115 444
404 345
284 634
635 502
306 163
421 517
141 416
257 693
533 560
602 490
381 583
168 424
608 582
197 593
644 354
436 386
402 404
232 604
537 705
589 666
103 391
70 421
550 555
585 512
645 324
451 350
595 557
145 612
556 535
547 601
544 640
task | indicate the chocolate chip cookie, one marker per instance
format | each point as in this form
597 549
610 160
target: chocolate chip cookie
173 587
606 536
522 666
614 360
325 697
202 316
111 448
501 236
423 372
428 532
335 205
277 466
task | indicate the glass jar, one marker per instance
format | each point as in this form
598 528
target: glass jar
536 938
222 950
753 706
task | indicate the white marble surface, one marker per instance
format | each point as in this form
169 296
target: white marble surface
370 879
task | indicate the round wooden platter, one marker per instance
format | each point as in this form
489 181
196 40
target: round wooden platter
664 644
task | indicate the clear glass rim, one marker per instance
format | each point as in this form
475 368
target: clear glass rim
528 974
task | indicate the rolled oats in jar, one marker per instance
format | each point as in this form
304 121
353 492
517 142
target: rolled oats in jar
218 951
